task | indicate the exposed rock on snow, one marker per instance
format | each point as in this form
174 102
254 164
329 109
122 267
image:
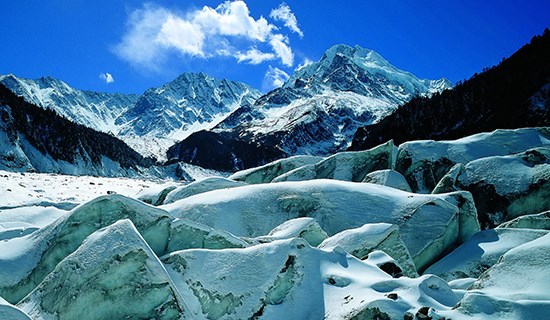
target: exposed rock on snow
65 192
425 162
388 178
201 186
481 252
504 187
346 166
268 172
337 206
361 241
530 221
514 288
305 228
114 274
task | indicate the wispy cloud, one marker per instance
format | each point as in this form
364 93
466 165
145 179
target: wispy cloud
274 78
107 77
254 56
154 32
284 14
304 63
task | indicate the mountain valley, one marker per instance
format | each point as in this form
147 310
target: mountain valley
322 199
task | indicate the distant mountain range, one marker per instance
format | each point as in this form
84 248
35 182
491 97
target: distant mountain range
315 112
351 93
37 139
149 123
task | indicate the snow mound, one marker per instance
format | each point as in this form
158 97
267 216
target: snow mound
155 196
305 228
185 234
289 278
11 312
268 172
346 166
114 274
504 187
389 178
514 288
201 186
361 241
252 211
19 222
26 261
425 162
481 252
530 221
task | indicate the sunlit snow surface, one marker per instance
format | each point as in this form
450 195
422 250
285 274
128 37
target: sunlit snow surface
325 247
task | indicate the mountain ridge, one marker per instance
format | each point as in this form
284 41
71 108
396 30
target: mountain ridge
512 94
316 111
150 122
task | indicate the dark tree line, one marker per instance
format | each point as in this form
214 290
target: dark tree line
63 139
497 98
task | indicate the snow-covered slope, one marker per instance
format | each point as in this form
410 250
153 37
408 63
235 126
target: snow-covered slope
481 252
348 87
190 103
149 123
516 287
320 107
96 110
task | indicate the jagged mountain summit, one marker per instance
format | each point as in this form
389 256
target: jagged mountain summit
150 122
316 111
165 115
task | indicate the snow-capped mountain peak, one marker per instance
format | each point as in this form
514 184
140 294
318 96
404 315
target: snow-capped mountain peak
316 111
363 71
96 110
149 123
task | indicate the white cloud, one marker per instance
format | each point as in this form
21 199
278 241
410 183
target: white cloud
107 77
280 45
284 14
254 56
304 63
139 45
274 78
181 35
226 30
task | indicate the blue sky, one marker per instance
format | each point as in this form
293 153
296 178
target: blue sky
130 46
